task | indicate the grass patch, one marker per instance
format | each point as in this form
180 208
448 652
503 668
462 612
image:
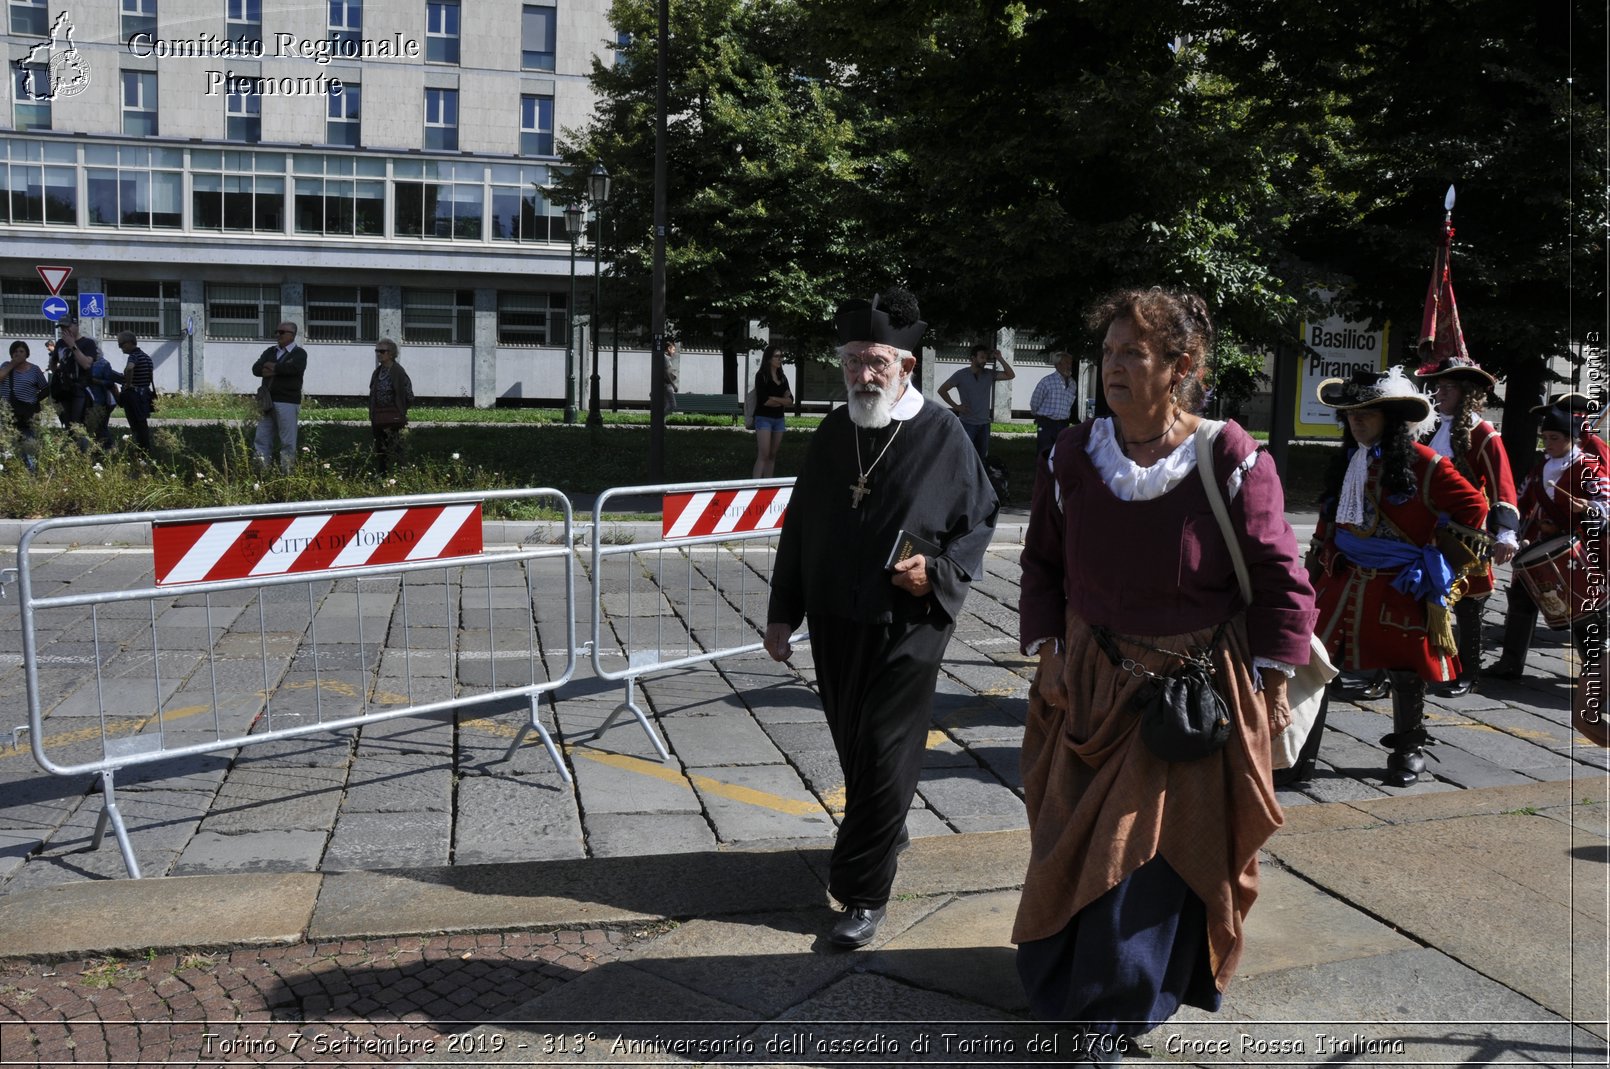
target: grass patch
207 460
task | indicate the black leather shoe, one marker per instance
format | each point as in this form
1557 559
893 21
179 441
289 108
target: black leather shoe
1375 690
1457 689
1505 669
1403 768
1301 772
856 927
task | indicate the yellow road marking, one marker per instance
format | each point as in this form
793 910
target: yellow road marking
113 729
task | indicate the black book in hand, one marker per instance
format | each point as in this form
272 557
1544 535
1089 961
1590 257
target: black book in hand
906 545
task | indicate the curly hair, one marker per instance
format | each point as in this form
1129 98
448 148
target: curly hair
1397 461
1472 398
1177 319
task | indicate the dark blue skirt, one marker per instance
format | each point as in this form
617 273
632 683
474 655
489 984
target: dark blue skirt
1125 963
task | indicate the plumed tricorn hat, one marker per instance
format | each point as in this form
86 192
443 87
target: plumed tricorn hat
889 318
1456 367
1391 392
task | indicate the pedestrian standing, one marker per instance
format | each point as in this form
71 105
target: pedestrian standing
974 385
886 473
139 390
25 388
1053 402
281 367
391 394
772 398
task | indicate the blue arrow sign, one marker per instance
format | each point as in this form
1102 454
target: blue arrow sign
54 309
92 306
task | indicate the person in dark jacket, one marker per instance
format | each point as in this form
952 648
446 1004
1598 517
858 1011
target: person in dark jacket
139 392
391 394
281 368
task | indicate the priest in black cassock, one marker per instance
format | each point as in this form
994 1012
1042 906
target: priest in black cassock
887 468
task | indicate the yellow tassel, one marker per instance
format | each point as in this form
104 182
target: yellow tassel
1439 626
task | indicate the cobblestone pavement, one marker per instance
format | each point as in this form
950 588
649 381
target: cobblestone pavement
358 1002
751 762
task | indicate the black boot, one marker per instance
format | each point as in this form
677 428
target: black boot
1408 739
1467 615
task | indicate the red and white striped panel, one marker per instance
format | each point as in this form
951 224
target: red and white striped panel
724 511
277 545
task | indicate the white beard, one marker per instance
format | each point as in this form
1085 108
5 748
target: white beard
872 406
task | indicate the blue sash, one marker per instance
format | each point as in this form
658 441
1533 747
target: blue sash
1423 572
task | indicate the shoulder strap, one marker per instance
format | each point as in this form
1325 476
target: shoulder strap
1206 436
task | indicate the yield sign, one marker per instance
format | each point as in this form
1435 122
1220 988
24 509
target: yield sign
55 277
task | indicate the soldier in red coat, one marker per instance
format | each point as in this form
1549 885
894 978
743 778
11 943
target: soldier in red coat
1380 583
1460 391
1563 495
1582 406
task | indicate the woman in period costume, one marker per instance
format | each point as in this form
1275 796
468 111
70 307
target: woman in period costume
1564 494
1380 581
1142 870
1460 391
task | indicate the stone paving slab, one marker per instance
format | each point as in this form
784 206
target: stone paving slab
389 840
516 820
1415 1007
194 912
1367 867
566 893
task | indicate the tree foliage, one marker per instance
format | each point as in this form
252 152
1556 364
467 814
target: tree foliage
1013 160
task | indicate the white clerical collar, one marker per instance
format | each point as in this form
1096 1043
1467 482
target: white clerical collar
909 405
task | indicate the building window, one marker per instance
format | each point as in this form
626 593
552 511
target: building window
38 183
536 125
441 119
519 211
346 26
30 18
537 26
340 195
245 21
441 31
140 103
342 313
441 317
149 309
444 202
238 191
30 88
530 318
135 187
237 311
344 125
243 110
139 16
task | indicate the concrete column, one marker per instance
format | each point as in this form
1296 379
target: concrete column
1006 342
390 314
293 308
484 350
193 317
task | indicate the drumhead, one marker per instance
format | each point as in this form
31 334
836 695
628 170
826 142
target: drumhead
1545 550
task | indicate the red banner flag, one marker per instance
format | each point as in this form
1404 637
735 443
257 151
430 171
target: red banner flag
1440 334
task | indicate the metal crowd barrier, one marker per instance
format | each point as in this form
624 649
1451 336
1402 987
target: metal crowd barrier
324 659
669 605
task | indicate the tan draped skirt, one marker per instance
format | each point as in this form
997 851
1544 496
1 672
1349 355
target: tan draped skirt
1100 805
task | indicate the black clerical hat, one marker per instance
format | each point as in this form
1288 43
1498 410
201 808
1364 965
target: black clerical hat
890 318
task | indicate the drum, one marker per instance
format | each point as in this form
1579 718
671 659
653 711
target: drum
1557 575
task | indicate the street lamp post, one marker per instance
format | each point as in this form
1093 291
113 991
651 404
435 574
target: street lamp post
575 226
598 193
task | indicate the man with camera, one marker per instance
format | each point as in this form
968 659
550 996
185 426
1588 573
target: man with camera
975 386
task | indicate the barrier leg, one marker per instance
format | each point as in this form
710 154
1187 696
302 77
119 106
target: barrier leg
110 815
547 741
630 706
